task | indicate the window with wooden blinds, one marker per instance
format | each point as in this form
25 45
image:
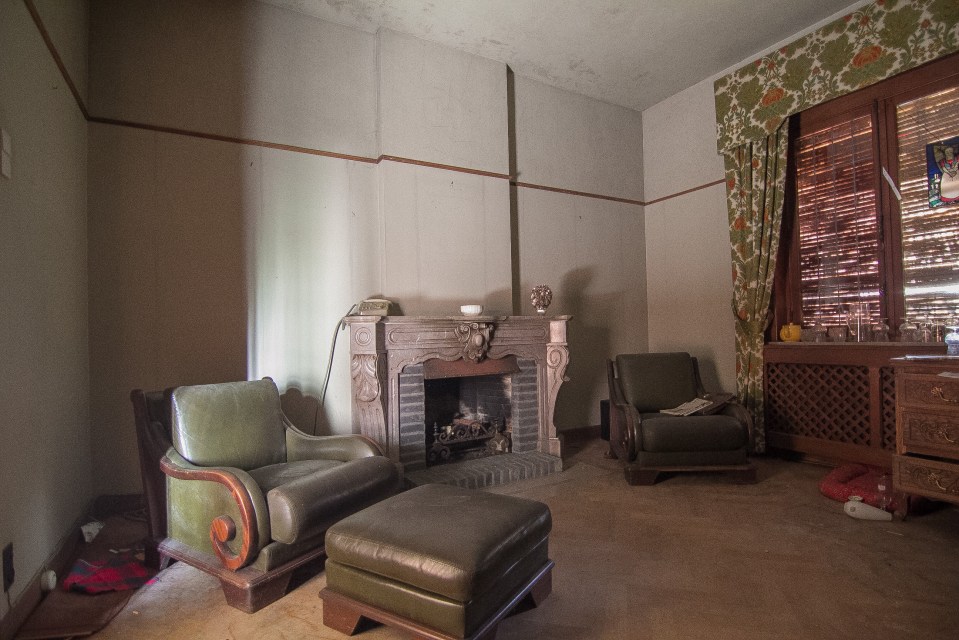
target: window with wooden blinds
838 221
930 236
849 243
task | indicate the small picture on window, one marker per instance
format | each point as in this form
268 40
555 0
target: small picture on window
942 165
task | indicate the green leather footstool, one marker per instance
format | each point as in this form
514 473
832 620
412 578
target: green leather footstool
437 561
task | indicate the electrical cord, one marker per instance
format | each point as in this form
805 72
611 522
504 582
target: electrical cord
329 367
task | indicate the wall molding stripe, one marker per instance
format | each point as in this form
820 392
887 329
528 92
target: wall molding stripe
571 192
682 193
222 138
446 167
318 152
37 20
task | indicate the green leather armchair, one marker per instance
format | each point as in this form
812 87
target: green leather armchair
649 442
249 497
151 412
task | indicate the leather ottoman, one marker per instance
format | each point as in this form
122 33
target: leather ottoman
438 561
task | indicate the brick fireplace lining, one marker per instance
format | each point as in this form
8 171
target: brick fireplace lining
388 355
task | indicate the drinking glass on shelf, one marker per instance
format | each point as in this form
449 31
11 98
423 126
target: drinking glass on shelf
907 332
880 331
856 318
837 333
923 329
819 332
938 328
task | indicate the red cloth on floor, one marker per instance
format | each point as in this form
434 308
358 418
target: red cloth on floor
119 572
855 480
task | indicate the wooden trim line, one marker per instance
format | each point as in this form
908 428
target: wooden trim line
447 167
585 194
682 193
37 20
315 152
232 139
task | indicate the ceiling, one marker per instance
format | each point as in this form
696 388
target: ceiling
632 53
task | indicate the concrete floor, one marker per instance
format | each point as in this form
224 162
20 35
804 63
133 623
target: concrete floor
692 557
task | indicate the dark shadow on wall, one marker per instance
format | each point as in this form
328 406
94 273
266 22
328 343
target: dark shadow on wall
517 295
304 412
589 343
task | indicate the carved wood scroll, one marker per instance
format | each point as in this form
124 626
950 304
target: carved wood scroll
475 338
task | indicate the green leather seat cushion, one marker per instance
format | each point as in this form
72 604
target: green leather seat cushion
454 542
307 496
663 433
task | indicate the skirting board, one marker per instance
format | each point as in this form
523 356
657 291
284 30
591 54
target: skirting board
28 600
59 560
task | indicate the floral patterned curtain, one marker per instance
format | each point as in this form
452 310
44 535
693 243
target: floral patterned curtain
876 42
755 181
879 40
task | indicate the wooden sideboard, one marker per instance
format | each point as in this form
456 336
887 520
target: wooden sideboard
835 401
927 427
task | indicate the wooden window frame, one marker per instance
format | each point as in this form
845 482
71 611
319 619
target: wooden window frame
880 101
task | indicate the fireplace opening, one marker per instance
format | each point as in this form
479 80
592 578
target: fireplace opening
467 417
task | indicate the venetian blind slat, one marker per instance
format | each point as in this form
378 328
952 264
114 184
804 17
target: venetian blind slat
838 225
930 235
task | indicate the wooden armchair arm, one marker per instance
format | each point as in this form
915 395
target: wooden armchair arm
625 435
742 414
731 408
223 529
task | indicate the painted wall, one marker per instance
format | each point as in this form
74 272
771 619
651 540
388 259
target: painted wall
446 234
441 105
687 235
215 260
240 69
590 251
689 277
45 484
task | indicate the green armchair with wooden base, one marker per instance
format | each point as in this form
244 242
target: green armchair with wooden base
649 442
249 497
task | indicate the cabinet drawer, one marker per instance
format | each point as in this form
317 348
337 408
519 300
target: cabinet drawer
931 433
940 392
929 478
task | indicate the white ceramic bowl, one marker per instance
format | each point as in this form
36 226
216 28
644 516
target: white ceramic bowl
471 309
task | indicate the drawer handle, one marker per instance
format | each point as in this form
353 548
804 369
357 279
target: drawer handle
937 393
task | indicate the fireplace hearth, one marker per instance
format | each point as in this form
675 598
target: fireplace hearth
445 392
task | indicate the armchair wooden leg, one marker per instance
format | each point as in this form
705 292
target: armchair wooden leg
640 477
340 616
252 598
541 589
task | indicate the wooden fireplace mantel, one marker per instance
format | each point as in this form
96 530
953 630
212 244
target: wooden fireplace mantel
382 346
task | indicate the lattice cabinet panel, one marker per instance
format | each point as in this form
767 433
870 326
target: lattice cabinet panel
887 382
825 402
835 401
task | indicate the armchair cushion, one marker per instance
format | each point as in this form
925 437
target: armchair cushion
308 505
276 475
232 424
662 433
654 381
